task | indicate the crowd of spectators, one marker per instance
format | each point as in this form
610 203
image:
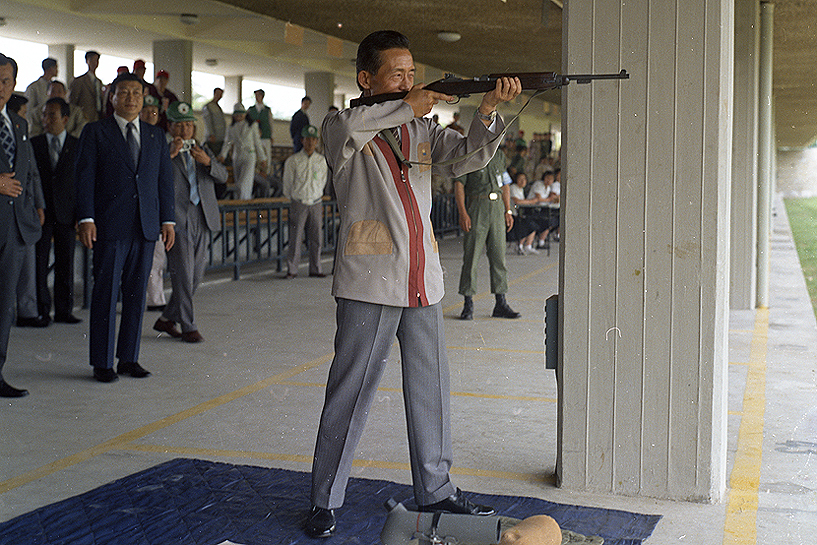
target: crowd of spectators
245 144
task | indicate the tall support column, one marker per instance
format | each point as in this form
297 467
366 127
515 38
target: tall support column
765 151
645 249
320 87
743 261
64 53
175 56
232 93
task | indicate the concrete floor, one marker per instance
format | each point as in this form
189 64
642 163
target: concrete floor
252 394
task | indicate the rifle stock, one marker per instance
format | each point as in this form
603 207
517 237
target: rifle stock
459 87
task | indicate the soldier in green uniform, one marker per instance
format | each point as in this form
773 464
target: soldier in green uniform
485 221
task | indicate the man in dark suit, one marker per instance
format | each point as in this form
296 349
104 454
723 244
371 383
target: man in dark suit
196 172
19 221
124 202
55 152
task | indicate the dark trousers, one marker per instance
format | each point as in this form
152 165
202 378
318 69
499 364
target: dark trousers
118 264
12 249
65 237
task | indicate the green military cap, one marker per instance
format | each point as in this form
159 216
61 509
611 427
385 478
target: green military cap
309 132
150 100
180 111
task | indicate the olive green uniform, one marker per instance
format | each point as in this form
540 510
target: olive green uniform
487 211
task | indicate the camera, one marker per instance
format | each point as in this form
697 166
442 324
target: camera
187 145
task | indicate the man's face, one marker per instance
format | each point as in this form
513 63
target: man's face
139 71
127 99
183 129
396 73
305 104
51 72
310 143
93 62
150 115
7 83
259 96
218 94
53 121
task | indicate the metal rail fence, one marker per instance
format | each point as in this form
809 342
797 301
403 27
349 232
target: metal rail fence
257 231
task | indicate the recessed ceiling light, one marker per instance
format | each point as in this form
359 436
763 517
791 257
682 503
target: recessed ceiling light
449 36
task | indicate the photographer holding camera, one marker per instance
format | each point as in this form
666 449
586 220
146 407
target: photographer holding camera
195 173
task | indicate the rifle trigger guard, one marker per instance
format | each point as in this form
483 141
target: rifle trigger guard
456 101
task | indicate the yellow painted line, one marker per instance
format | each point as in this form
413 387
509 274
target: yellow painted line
128 437
740 527
377 464
484 294
457 394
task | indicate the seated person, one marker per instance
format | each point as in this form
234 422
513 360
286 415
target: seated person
548 190
524 230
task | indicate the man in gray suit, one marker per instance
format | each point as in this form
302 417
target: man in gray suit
19 221
195 173
86 90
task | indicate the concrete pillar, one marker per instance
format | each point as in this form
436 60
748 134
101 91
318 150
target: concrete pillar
232 93
765 150
743 261
175 56
64 53
645 249
320 87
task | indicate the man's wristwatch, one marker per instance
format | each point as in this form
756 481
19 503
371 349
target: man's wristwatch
489 118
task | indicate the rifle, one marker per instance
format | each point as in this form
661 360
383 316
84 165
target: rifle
459 87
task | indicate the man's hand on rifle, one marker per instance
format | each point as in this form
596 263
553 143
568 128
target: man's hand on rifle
506 90
421 101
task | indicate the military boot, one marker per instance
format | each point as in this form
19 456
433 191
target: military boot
502 310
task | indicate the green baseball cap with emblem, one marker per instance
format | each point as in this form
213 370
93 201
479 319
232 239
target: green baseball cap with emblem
180 111
150 100
309 132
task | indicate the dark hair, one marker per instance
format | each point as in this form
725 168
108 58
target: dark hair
16 101
48 63
557 171
89 54
368 52
126 76
65 109
8 60
56 82
517 175
306 98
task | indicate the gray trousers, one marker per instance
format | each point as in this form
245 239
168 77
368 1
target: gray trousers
300 216
27 285
363 341
186 261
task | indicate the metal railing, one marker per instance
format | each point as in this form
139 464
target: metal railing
257 231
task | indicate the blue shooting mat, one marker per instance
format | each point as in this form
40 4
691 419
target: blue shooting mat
197 502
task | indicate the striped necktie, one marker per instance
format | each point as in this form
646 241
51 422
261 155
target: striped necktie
7 140
191 177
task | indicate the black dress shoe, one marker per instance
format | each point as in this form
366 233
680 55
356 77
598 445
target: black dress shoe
7 390
133 369
103 374
39 321
458 504
66 319
154 308
317 275
320 523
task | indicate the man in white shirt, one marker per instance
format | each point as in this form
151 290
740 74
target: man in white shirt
305 176
37 94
